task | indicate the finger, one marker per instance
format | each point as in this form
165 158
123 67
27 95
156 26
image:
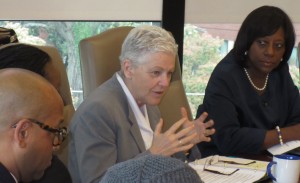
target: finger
183 112
189 139
183 148
188 124
158 127
209 132
185 132
209 124
205 139
176 126
202 117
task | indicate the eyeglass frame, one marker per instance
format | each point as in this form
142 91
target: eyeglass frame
210 162
60 134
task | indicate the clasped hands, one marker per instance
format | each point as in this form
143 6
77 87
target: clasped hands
182 135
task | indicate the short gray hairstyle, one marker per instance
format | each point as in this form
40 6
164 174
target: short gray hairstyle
147 39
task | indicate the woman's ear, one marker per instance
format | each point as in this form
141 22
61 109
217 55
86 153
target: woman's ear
21 132
127 68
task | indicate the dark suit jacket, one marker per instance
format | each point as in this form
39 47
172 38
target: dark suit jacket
242 117
5 176
56 173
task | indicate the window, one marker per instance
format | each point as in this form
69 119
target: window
65 36
204 46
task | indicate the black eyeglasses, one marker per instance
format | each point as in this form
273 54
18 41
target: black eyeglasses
208 166
60 134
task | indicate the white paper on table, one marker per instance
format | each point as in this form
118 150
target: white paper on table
286 147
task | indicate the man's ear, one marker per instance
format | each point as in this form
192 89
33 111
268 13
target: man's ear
21 132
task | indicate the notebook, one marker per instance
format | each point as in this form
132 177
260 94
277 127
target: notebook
216 169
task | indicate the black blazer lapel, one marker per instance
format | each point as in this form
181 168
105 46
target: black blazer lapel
5 176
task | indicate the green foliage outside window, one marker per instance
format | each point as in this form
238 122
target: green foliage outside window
65 36
201 54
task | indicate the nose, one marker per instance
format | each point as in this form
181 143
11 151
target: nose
165 80
270 50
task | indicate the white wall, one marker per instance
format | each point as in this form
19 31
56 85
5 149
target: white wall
197 11
81 10
234 11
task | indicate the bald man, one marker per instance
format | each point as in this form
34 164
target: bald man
31 111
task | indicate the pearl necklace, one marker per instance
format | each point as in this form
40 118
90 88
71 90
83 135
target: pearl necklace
259 89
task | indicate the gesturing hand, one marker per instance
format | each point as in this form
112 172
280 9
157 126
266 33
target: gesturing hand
172 141
202 128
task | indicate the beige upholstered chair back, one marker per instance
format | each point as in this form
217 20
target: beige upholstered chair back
65 93
174 99
64 89
99 57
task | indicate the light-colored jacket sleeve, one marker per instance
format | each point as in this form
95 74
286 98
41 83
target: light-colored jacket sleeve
103 133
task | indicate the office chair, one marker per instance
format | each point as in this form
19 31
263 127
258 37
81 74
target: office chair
64 89
99 56
65 93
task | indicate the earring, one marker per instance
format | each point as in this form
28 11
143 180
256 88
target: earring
246 53
281 59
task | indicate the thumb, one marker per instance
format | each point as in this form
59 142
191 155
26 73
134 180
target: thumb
158 127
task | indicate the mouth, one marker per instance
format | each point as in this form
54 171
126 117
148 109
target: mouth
267 64
158 93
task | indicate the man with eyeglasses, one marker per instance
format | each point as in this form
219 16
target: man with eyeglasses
31 111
